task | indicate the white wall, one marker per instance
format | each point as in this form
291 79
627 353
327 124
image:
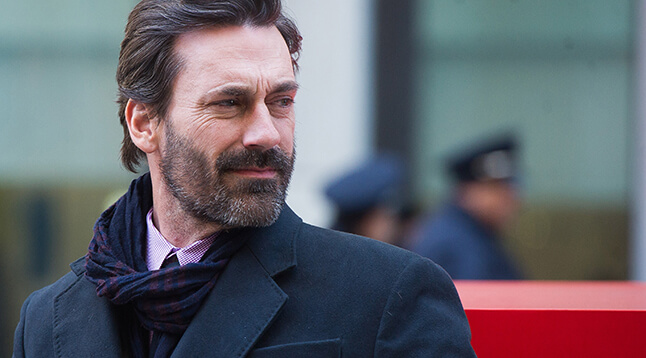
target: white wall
333 106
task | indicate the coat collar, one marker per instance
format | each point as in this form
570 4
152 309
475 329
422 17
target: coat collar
274 246
241 307
246 299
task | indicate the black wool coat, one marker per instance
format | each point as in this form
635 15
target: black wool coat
293 290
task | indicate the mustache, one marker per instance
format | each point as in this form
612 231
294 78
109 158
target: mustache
273 158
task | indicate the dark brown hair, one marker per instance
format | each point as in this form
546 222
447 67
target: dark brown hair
148 65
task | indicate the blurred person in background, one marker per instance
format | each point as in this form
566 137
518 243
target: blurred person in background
201 257
464 235
367 199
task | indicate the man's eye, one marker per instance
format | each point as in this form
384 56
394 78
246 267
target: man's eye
285 102
226 108
227 103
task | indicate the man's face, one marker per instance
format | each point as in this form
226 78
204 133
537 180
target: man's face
497 200
227 152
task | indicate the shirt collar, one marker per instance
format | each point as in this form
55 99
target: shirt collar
158 248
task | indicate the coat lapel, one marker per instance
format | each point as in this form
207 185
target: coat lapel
84 324
246 299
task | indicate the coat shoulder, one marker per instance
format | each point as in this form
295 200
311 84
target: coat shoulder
34 332
44 297
359 247
398 298
360 264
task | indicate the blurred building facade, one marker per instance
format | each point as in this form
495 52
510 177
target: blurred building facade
560 73
414 77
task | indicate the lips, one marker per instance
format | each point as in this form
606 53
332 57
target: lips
260 173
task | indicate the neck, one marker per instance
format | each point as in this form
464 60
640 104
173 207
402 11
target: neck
176 225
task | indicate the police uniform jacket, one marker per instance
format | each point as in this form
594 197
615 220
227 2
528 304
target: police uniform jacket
463 246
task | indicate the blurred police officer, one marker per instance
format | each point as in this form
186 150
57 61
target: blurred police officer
367 199
464 234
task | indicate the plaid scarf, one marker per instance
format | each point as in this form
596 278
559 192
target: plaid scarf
164 300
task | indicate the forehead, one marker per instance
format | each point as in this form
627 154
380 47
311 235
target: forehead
231 48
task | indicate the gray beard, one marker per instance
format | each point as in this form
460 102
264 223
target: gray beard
211 194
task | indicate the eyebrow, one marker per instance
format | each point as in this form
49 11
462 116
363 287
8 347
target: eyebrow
236 91
288 86
232 91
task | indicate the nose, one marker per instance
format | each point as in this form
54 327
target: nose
261 132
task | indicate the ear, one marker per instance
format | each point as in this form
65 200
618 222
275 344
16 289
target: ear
142 126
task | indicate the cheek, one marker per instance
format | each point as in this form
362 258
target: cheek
286 131
216 139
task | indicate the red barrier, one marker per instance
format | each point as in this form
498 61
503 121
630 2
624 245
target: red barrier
555 319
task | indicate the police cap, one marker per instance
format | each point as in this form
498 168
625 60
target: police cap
492 158
374 182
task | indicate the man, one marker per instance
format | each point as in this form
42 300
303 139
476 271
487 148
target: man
200 258
464 235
